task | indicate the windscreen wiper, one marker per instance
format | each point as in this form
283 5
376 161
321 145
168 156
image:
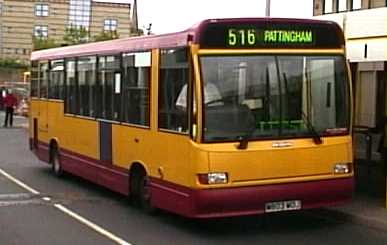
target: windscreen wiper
243 142
315 135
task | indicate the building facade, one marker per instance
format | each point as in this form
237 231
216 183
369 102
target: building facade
21 20
364 23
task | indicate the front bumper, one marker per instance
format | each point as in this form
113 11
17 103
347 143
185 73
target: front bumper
208 203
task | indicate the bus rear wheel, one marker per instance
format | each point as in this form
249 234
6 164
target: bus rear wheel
55 163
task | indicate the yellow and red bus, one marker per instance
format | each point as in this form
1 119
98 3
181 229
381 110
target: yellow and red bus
230 117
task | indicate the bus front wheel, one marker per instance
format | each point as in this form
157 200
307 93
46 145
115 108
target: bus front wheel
141 191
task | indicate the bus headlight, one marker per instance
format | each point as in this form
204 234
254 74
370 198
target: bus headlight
213 178
342 168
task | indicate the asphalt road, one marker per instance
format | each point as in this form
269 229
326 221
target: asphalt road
50 210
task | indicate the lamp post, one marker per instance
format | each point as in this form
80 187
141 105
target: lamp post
135 17
267 10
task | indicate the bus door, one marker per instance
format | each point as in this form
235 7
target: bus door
174 142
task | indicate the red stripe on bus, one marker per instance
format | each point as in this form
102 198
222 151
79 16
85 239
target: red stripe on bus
109 176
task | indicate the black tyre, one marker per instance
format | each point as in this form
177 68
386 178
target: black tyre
141 194
55 163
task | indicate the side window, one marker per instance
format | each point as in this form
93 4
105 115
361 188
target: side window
41 10
342 5
108 73
136 88
173 84
55 90
43 79
356 4
71 103
328 6
378 3
86 81
35 79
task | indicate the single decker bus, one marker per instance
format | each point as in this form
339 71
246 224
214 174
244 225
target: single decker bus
229 117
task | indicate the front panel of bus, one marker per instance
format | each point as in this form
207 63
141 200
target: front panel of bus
274 120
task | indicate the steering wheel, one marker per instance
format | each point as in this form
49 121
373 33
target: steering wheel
221 100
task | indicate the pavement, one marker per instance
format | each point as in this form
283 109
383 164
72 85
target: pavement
363 210
368 206
18 121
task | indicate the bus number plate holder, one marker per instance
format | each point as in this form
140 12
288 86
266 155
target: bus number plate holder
272 207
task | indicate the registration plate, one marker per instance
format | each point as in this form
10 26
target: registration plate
271 207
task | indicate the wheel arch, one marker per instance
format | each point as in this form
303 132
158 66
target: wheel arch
134 168
137 166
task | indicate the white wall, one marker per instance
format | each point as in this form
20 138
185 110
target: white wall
366 23
363 27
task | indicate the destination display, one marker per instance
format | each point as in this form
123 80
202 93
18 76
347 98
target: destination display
252 37
270 35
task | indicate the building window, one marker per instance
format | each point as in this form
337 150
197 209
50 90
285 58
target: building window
41 10
110 25
1 8
356 4
79 13
174 79
378 3
328 6
7 29
342 5
8 8
41 31
26 51
8 51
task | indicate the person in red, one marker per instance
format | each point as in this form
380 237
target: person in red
10 103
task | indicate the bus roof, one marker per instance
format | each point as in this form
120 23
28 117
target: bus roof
194 34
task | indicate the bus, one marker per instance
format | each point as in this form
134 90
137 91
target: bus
230 117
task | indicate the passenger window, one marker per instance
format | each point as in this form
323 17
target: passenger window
71 88
108 68
34 79
173 84
86 84
136 88
43 78
55 89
